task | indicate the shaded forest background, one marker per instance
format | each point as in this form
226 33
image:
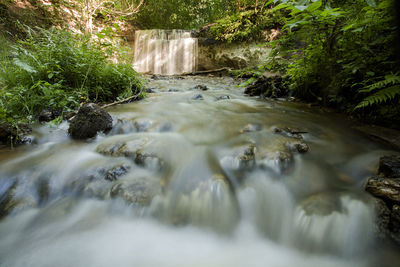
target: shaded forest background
56 54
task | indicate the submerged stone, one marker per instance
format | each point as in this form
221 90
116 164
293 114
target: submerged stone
321 204
242 158
139 191
198 97
279 161
250 128
223 97
7 199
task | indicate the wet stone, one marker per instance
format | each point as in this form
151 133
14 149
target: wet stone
389 166
289 132
143 125
223 97
299 147
89 120
45 116
140 191
243 158
278 161
382 218
148 160
198 97
136 151
150 90
116 172
7 199
14 134
395 221
250 128
387 189
321 204
201 87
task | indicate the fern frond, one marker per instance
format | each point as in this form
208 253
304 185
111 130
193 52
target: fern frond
390 79
381 96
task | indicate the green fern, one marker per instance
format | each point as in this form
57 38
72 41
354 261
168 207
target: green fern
381 96
390 79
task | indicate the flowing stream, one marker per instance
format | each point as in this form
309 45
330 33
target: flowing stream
194 178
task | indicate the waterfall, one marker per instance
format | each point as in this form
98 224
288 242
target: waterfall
165 52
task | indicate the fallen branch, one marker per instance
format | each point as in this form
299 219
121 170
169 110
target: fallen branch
123 101
205 71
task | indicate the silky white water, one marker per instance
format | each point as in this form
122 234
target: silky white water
165 52
171 185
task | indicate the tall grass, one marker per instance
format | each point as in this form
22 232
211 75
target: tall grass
56 70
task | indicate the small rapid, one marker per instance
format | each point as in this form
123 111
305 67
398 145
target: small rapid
193 176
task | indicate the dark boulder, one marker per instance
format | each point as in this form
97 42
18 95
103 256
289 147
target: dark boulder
89 120
150 90
386 189
389 166
273 87
45 116
48 115
10 134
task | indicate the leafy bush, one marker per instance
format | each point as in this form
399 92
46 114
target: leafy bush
180 14
247 25
343 54
56 70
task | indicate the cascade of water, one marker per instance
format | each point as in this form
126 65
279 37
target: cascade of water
165 52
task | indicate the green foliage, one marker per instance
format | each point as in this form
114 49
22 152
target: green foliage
247 25
385 90
56 70
342 53
181 14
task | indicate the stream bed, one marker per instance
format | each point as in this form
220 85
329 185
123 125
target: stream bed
194 177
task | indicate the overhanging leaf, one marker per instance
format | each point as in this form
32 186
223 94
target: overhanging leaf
371 3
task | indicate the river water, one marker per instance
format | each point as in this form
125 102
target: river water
194 178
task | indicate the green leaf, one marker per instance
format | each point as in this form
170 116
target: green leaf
301 8
371 3
24 65
314 6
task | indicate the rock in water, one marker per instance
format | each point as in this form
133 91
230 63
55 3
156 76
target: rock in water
387 189
198 97
389 166
89 120
14 134
201 87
